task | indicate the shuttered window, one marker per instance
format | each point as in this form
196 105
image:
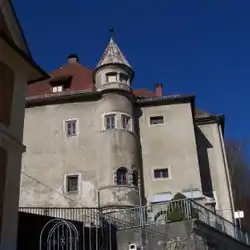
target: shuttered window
7 77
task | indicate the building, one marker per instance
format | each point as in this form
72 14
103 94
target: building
17 68
93 141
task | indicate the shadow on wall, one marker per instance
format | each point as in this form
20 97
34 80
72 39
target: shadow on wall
138 114
202 147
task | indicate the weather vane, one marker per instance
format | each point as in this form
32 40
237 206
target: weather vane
112 32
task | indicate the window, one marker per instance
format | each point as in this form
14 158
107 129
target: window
135 178
70 128
111 77
110 121
123 78
161 173
122 176
156 120
126 122
72 183
57 89
7 80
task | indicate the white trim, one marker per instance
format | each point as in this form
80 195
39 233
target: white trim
65 128
103 120
118 121
130 122
156 125
79 183
161 179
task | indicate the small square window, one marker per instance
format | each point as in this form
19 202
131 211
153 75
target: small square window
72 183
156 120
161 173
110 121
123 78
126 122
111 77
70 128
57 89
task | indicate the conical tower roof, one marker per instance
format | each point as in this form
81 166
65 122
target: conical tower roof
113 55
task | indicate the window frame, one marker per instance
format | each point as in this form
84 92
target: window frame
161 178
123 115
66 122
79 181
125 76
126 174
133 178
107 75
104 121
156 124
57 89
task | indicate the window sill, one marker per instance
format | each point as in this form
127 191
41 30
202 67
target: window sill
72 192
162 179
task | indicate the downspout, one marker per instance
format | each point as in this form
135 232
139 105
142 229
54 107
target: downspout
226 171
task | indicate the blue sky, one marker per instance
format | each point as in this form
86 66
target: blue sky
199 47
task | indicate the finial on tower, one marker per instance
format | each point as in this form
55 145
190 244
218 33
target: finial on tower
112 32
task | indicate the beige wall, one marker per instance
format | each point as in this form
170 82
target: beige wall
11 139
94 154
212 156
170 145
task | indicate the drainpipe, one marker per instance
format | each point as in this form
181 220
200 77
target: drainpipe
226 171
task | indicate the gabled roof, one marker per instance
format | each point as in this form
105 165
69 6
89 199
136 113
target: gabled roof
112 55
12 24
81 80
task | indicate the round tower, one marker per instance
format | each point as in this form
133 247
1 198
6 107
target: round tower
119 147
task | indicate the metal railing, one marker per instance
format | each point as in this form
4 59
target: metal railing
144 216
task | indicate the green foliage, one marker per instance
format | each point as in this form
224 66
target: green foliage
179 196
177 208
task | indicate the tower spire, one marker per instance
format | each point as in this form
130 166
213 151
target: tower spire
113 55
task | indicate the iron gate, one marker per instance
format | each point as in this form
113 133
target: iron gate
59 234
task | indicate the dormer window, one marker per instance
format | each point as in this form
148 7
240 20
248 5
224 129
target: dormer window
60 84
123 78
111 77
56 89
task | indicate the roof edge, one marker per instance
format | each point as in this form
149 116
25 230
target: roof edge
219 119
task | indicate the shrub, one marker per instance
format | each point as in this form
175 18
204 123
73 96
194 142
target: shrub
175 210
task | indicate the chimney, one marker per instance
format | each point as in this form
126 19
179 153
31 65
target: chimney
73 58
158 89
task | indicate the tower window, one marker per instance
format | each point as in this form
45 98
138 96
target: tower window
57 89
135 178
122 176
72 183
110 121
161 173
111 77
123 78
70 128
126 122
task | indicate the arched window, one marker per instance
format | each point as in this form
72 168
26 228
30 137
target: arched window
135 178
122 176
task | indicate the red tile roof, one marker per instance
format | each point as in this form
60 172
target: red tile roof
82 81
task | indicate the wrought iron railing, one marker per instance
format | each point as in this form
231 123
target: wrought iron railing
144 216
